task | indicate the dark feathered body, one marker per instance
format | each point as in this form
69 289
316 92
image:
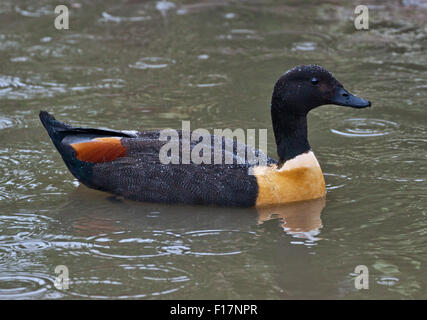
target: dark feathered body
139 175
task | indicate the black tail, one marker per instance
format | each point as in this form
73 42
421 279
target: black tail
56 129
62 134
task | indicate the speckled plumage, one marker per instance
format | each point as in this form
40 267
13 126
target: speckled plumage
140 175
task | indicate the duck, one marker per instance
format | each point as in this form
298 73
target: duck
126 163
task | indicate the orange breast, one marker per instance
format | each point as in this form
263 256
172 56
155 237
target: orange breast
99 150
300 179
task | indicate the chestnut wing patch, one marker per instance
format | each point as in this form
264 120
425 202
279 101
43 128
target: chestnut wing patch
99 150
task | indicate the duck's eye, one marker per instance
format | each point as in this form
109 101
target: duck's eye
314 81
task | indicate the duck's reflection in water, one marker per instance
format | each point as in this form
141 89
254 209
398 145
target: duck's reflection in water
91 212
299 219
209 251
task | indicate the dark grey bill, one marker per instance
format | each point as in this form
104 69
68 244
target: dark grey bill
344 98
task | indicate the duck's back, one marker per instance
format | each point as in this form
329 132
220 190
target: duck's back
140 175
129 164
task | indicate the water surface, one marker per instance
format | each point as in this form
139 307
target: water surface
144 65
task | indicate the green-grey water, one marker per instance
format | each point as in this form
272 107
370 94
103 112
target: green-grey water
144 65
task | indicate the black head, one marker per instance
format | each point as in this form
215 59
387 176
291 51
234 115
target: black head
298 91
306 87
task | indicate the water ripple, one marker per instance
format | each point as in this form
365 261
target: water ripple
32 12
22 285
203 242
304 46
149 244
21 233
207 81
145 280
240 34
106 17
6 122
14 88
13 121
359 127
152 63
335 181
